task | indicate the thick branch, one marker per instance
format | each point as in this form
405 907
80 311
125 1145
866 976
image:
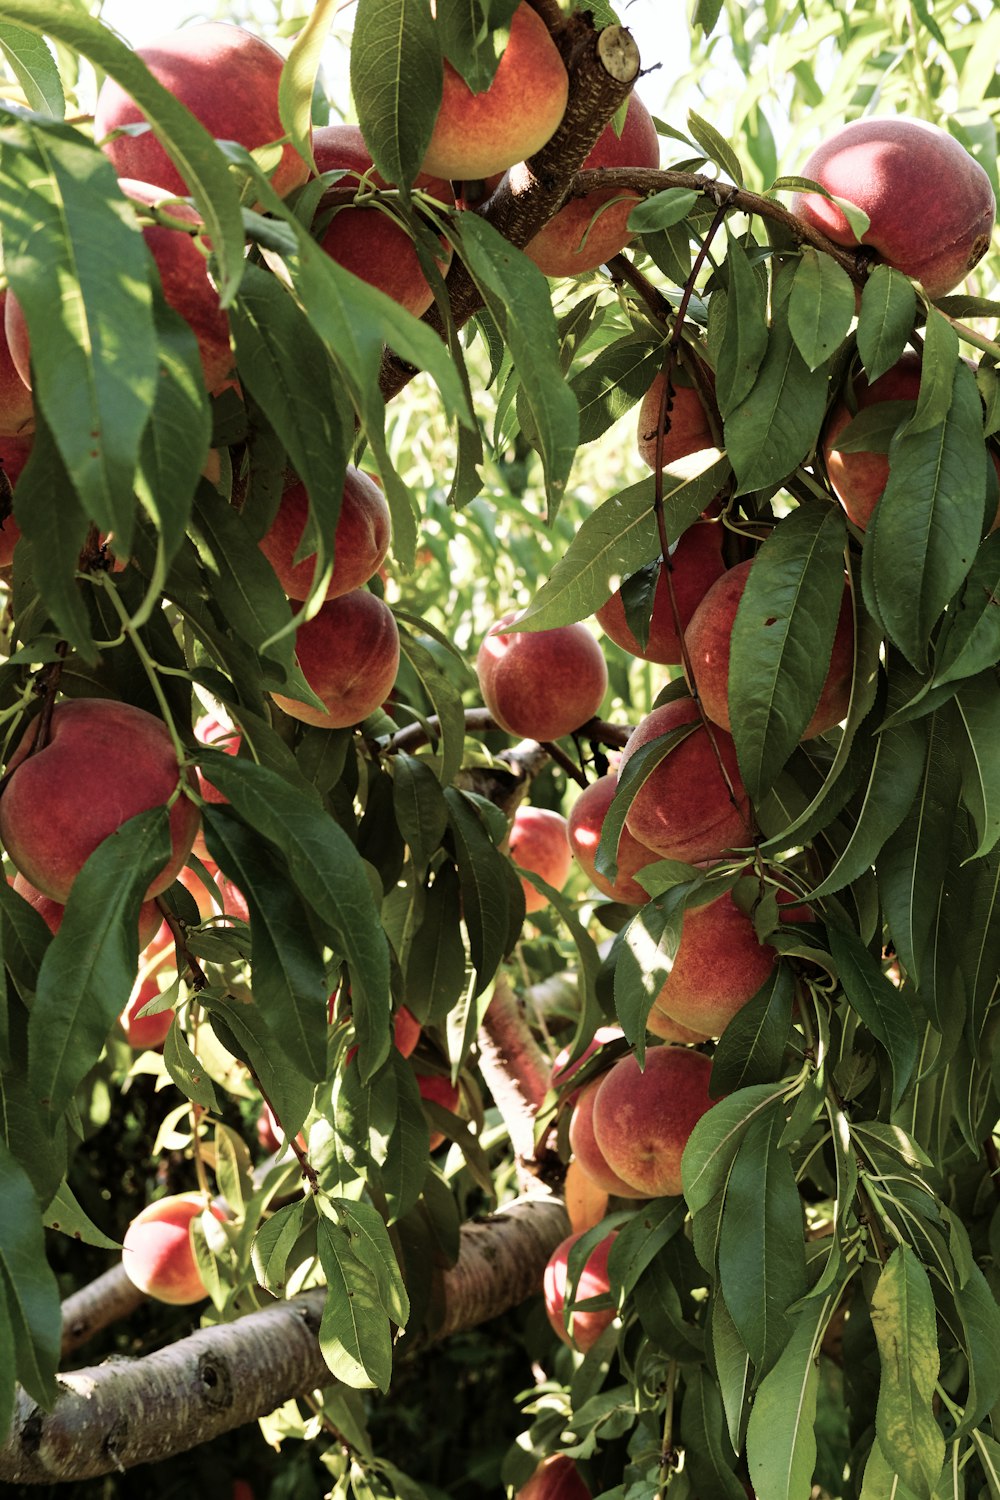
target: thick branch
128 1412
101 1302
516 1069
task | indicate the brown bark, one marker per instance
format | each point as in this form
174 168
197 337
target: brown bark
132 1411
516 1069
97 1305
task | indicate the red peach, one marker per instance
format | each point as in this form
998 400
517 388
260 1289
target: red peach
537 842
585 1327
360 541
719 966
586 820
145 1032
437 1088
683 810
157 1254
695 563
476 135
688 431
643 1118
227 77
349 654
52 912
541 684
556 1478
406 1031
930 203
707 639
104 762
588 1153
17 413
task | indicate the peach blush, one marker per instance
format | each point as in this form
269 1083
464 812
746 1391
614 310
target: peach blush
157 1252
695 564
586 821
643 1118
541 684
349 655
586 1151
585 1327
719 966
537 842
360 539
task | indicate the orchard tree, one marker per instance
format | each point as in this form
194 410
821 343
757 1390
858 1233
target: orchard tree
501 790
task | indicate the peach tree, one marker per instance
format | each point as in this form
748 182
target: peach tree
704 409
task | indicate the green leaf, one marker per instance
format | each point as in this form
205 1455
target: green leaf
243 1030
507 279
970 639
662 210
35 69
55 528
613 382
186 1072
980 1317
924 533
745 336
937 372
888 310
421 811
275 1242
886 1013
646 953
902 1314
762 1260
752 1047
89 967
782 639
242 579
641 1240
30 1288
370 1242
299 75
977 711
716 1138
435 967
354 1336
781 1438
445 699
715 146
733 1368
709 1454
396 79
404 1171
484 875
821 306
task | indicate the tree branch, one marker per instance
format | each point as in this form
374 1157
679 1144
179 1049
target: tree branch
516 1070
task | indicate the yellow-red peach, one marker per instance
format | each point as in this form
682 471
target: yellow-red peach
695 563
368 241
585 1326
573 241
17 413
643 1117
104 762
586 820
405 1031
349 655
660 1024
688 430
436 1088
684 810
227 77
586 1202
556 1478
360 540
541 684
537 842
586 1151
718 967
52 912
930 203
707 639
145 1032
476 135
157 1252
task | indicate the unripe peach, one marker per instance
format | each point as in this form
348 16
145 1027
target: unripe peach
586 820
556 1478
707 639
349 655
541 684
585 1327
688 430
643 1118
573 241
366 240
360 541
930 203
104 762
227 77
537 842
695 563
157 1253
476 135
588 1153
683 810
719 966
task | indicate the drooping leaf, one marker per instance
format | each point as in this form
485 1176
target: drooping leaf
821 306
710 1455
902 1313
781 1438
878 1002
354 1335
977 710
716 1138
645 958
888 308
744 339
29 1288
752 1047
613 381
484 875
970 639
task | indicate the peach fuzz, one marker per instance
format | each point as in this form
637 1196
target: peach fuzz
104 762
556 1478
368 241
719 966
586 820
349 655
930 203
52 912
707 639
359 542
541 684
227 77
537 842
643 1118
586 1151
694 565
157 1253
573 241
685 431
476 135
17 413
585 1327
683 810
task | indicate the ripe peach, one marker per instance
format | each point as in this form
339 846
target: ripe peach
227 77
145 1032
588 1153
439 1089
405 1031
541 684
366 240
349 654
586 1202
52 912
234 903
570 243
683 810
586 820
707 640
930 203
688 431
476 135
537 842
104 762
718 967
585 1327
17 413
642 1119
556 1478
360 541
695 563
668 1030
157 1255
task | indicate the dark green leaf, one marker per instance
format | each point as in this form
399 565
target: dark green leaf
716 1138
421 811
483 876
781 1438
243 1030
354 1335
970 640
821 306
446 701
435 969
977 711
752 1047
646 955
370 1242
744 339
709 1453
888 308
33 1318
613 382
886 1013
937 372
641 1240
